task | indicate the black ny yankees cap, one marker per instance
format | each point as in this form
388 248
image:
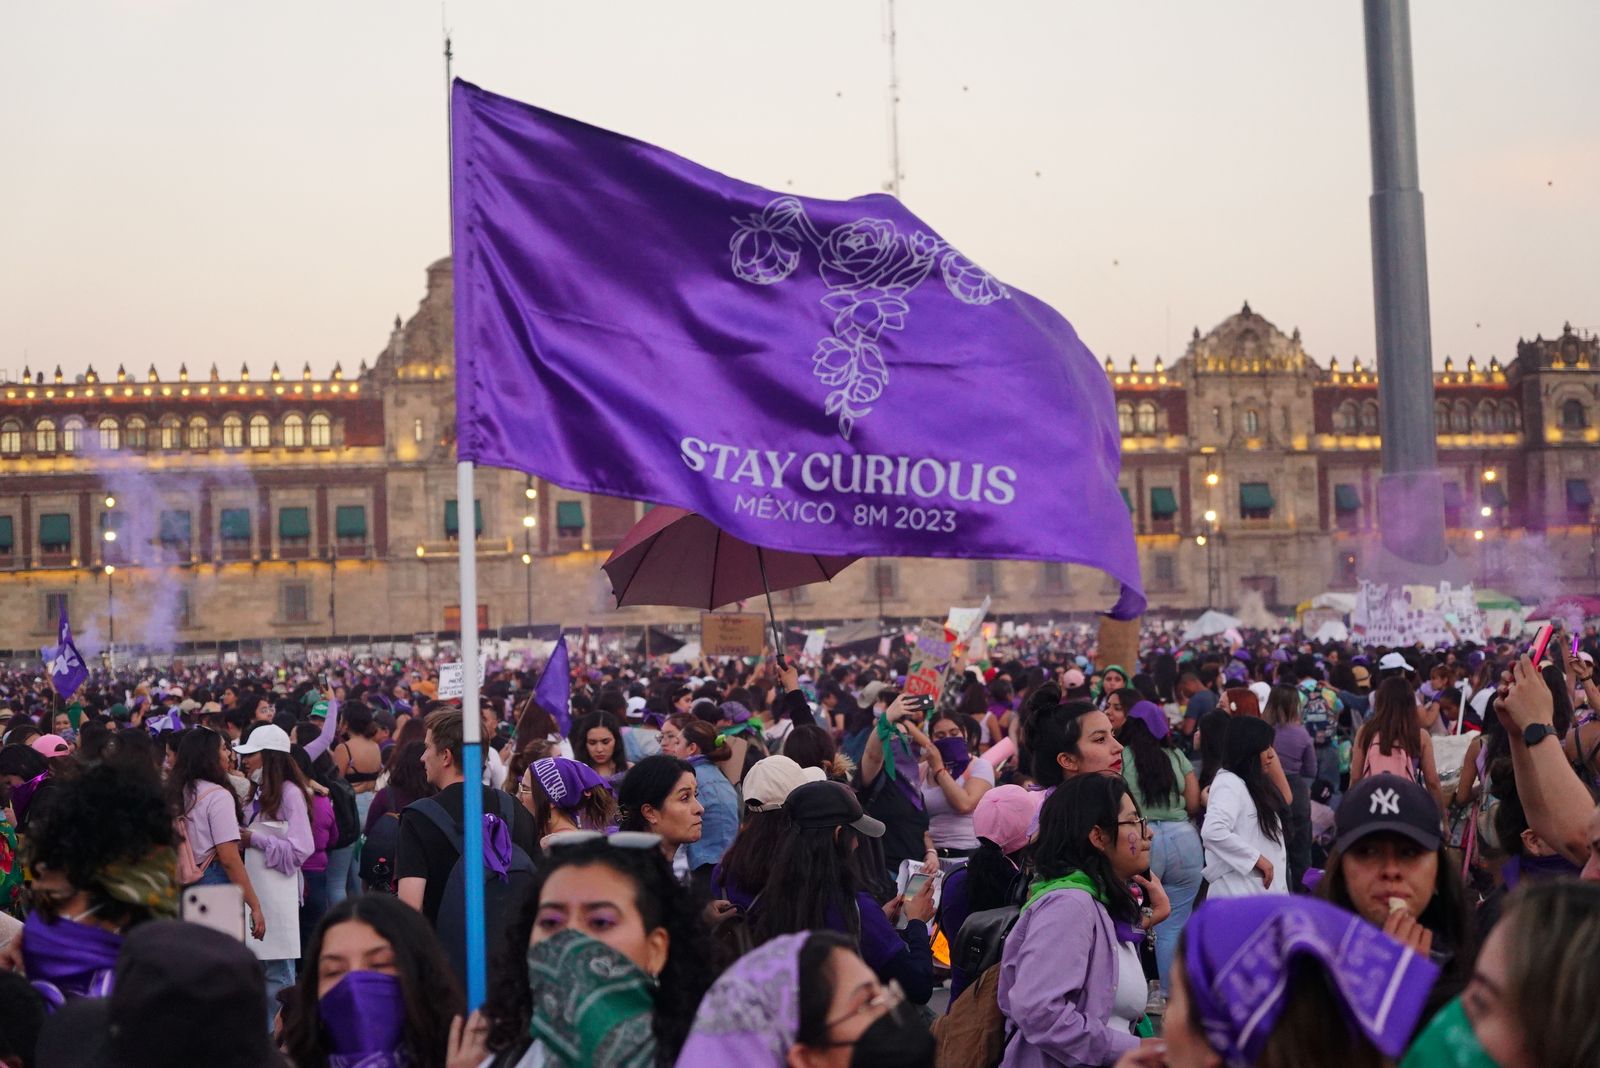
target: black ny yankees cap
1388 803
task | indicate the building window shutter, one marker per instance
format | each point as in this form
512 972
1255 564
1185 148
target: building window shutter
569 517
1163 502
350 521
55 531
294 523
236 524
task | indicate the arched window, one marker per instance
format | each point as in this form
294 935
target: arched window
1510 415
260 432
1145 418
171 432
1487 418
321 431
10 437
72 434
1252 421
294 432
1348 418
1124 417
199 433
232 432
1573 415
44 436
1369 417
1460 418
136 432
110 435
1441 417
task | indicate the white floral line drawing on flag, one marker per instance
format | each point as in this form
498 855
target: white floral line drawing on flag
870 268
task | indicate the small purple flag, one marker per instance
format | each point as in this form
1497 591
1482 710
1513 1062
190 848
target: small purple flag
554 691
63 661
814 376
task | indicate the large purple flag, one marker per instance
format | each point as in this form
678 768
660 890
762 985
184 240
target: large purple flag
816 376
63 661
554 689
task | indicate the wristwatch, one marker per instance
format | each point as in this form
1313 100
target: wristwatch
1534 733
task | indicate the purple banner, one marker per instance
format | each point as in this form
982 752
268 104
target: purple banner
812 375
63 661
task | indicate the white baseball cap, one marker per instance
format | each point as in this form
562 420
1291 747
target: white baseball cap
770 780
1393 662
268 736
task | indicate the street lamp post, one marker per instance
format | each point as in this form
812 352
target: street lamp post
529 522
1207 539
111 616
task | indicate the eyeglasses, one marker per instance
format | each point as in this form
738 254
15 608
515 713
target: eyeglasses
891 997
618 839
1142 823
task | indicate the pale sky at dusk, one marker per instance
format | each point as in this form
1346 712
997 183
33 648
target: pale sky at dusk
215 182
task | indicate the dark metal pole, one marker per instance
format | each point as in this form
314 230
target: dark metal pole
1410 492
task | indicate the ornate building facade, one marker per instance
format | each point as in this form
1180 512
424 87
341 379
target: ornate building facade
291 507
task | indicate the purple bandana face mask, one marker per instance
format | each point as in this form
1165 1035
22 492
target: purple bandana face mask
954 753
364 1015
67 959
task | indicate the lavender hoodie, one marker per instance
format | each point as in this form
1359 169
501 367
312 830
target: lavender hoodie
1058 981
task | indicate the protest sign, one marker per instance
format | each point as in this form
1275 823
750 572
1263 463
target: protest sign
1405 615
453 679
732 633
930 657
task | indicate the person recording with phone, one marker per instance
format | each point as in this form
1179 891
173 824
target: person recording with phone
891 782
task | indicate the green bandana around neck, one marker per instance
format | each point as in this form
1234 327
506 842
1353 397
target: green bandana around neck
591 1005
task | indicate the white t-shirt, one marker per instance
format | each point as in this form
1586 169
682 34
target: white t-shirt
950 829
1133 991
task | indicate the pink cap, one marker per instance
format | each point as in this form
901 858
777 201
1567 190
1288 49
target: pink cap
51 745
1073 678
1003 815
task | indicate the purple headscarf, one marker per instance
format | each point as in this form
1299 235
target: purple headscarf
566 781
65 959
751 1015
1236 963
1149 713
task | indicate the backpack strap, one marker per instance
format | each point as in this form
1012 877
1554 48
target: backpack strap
434 813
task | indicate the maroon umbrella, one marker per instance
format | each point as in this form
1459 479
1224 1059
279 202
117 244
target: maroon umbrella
674 557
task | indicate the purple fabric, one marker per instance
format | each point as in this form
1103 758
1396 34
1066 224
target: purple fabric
554 691
22 794
1535 868
566 781
63 661
66 959
364 1014
734 712
1149 713
954 753
1237 966
817 336
751 1015
496 846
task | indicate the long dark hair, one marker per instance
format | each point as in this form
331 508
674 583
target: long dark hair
432 996
1213 731
992 877
598 721
408 779
278 770
812 875
1158 779
1077 807
1045 698
1247 739
662 902
1054 732
648 783
1394 720
1448 914
198 760
748 860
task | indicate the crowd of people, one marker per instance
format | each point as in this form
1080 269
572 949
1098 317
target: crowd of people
1258 852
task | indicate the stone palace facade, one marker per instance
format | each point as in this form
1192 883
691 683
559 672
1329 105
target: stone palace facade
286 506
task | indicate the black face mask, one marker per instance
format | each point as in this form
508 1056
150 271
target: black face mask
897 1039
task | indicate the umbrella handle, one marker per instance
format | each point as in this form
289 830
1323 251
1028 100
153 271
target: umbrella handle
772 617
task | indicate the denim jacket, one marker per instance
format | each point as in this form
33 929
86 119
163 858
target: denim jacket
721 820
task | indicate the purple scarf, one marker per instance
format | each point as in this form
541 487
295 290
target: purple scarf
496 847
364 1014
1237 966
66 959
751 1015
22 795
954 753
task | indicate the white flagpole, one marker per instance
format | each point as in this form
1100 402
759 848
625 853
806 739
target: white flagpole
471 723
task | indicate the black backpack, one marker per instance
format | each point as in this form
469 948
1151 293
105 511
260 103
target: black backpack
378 853
499 898
346 816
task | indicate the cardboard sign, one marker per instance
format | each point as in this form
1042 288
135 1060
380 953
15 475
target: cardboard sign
1403 615
732 634
452 681
930 657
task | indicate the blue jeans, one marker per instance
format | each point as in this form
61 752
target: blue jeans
280 975
214 875
340 864
1176 858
